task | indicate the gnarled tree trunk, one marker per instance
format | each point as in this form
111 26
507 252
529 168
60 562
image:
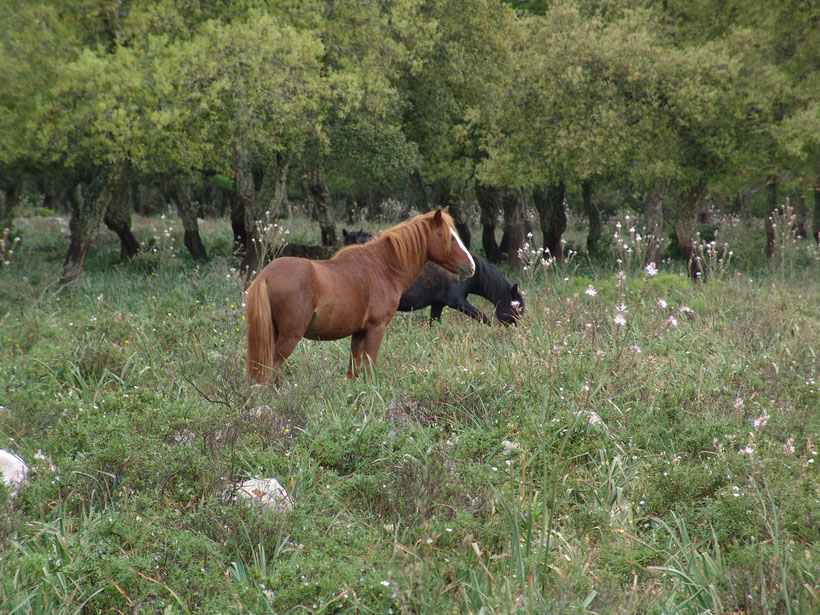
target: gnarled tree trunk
653 217
9 195
771 194
552 215
801 214
594 216
248 203
117 218
273 192
186 208
318 194
87 213
444 196
513 204
489 201
686 224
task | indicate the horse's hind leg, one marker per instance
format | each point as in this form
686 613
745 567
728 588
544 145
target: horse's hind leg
284 347
435 312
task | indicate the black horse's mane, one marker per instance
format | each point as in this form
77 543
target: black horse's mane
489 283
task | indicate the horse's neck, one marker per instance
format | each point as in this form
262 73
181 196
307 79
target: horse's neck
489 283
400 275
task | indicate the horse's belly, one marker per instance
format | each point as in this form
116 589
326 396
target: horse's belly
335 320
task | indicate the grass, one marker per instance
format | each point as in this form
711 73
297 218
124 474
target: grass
571 464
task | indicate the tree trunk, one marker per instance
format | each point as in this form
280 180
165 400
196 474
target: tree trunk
801 214
9 195
489 200
443 196
417 192
351 209
686 228
654 221
240 233
815 224
595 225
117 218
319 195
86 215
187 213
273 193
249 205
743 203
552 214
513 205
771 196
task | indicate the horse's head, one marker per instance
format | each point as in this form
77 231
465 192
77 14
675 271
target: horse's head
351 238
445 247
511 308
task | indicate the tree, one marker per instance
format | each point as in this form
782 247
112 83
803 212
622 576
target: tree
447 91
574 106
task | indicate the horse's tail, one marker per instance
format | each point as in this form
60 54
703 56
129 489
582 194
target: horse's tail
260 332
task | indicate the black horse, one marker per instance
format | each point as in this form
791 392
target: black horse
436 287
351 238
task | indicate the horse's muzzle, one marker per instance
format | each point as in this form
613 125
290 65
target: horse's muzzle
467 270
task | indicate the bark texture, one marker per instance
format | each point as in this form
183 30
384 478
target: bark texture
513 204
186 208
686 228
249 205
771 196
319 195
87 211
653 218
444 196
117 218
596 226
489 202
552 215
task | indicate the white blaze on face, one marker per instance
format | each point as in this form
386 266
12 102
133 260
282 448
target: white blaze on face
466 251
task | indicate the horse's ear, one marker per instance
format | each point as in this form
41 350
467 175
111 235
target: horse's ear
514 289
446 209
344 231
437 216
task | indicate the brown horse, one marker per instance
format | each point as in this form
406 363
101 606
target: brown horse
355 293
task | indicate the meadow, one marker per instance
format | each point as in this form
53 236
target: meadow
638 444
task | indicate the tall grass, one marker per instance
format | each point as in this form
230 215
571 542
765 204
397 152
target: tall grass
638 444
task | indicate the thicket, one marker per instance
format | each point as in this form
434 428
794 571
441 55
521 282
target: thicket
336 108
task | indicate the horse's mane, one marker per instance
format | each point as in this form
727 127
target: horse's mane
408 239
489 282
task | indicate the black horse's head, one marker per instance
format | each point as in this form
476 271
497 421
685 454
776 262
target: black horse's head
511 309
351 238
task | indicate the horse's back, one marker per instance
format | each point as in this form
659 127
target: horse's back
433 285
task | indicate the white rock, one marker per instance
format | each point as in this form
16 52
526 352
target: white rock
267 492
13 470
509 446
592 418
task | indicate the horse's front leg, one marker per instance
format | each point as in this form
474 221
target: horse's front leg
373 340
465 307
357 344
